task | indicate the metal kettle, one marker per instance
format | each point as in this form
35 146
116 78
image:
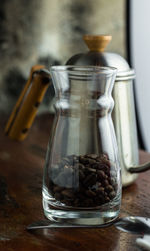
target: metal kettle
124 110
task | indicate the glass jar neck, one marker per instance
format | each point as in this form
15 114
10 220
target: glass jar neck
83 88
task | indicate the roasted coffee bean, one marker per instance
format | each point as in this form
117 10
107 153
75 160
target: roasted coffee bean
68 193
102 157
81 197
101 175
69 182
105 193
95 165
91 170
112 181
81 189
67 170
109 188
83 181
69 203
64 162
100 190
91 161
101 199
71 157
57 196
107 163
90 193
66 159
92 156
81 175
103 167
60 180
90 180
107 199
51 185
77 203
88 203
99 184
83 160
57 189
112 194
79 166
105 182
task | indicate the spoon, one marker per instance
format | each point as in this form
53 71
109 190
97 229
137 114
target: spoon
131 224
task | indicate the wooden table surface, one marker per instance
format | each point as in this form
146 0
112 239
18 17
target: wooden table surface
21 170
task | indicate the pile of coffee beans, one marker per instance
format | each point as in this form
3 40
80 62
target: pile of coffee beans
83 181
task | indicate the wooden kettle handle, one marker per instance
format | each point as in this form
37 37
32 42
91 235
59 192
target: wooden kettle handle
26 107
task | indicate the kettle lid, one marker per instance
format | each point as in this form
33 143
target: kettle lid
96 56
124 70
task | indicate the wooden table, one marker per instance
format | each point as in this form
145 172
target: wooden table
21 170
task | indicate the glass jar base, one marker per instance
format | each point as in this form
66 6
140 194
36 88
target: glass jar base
99 216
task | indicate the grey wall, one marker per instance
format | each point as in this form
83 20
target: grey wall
50 32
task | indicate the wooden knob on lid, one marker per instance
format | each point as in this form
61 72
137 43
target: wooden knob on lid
97 43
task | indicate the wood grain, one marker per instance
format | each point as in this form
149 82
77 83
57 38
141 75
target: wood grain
21 171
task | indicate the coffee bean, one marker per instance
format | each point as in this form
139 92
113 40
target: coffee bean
69 182
71 157
91 161
101 175
109 188
83 160
88 203
99 184
101 199
112 181
67 171
68 193
79 166
90 193
81 197
100 190
95 165
91 170
81 175
60 180
82 189
51 184
65 161
103 167
102 157
92 156
57 189
112 194
105 182
83 181
107 199
90 180
69 203
77 203
57 196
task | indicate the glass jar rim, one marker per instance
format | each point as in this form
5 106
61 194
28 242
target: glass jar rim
80 69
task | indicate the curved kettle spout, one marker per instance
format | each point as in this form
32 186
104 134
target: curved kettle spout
140 168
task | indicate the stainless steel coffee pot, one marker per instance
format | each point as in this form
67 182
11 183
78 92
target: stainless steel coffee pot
124 110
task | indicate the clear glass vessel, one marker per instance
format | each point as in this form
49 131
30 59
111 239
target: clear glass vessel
82 183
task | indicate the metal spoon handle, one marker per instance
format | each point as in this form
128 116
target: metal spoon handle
45 224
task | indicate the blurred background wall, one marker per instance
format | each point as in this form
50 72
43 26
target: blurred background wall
50 32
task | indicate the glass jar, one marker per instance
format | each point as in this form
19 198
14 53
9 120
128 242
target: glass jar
82 183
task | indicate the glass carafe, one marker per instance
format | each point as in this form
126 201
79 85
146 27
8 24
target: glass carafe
82 183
